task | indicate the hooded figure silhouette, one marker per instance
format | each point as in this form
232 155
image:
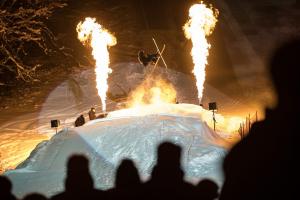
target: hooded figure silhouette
263 164
79 182
127 183
5 189
167 176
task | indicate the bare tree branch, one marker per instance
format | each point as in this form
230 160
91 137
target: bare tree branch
22 24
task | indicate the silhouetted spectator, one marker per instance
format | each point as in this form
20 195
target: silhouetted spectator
92 114
167 176
127 183
79 121
35 196
207 190
79 183
263 165
5 189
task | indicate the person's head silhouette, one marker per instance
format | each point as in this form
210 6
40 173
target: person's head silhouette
127 175
253 167
5 184
5 188
78 175
168 154
207 190
168 166
34 196
285 73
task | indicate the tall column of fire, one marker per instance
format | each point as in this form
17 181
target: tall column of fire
93 34
201 23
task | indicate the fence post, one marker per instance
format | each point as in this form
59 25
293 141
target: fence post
246 124
243 129
256 117
249 122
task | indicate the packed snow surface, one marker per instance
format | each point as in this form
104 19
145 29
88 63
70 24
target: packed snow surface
131 133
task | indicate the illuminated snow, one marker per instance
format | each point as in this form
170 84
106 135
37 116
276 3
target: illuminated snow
107 141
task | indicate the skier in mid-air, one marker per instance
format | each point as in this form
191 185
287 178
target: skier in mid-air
147 59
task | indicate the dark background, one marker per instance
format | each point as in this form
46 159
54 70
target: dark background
262 26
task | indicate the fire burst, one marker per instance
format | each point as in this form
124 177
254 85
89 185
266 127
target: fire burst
201 24
152 91
93 34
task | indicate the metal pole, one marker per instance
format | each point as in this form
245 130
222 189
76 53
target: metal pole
214 120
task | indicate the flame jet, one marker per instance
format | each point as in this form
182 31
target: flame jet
201 23
93 34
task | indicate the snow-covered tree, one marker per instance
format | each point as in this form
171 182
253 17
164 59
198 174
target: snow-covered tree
23 27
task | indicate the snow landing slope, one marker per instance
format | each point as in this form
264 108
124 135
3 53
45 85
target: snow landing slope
131 133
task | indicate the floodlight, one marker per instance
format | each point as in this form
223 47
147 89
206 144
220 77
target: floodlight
212 106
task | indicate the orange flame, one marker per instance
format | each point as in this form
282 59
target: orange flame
93 34
201 24
152 91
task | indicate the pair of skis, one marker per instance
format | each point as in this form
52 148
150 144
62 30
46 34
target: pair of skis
160 52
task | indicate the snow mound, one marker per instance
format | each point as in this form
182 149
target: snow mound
131 133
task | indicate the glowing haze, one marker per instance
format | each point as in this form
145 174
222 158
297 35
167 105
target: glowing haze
201 23
93 34
154 91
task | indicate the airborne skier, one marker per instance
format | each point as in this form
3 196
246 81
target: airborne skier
147 59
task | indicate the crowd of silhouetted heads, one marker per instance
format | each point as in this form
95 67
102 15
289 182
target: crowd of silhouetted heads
261 166
166 181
